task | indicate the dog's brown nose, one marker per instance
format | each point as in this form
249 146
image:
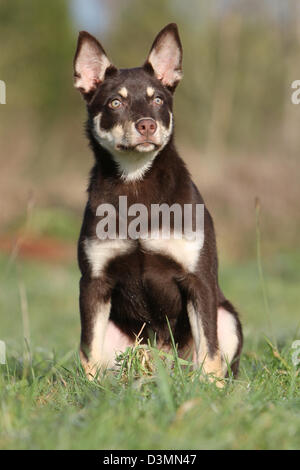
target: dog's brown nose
146 126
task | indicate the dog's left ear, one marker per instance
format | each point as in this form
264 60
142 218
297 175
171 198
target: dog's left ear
165 57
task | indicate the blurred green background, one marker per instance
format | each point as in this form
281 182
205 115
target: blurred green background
235 125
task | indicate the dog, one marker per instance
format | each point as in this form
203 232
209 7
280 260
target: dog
128 283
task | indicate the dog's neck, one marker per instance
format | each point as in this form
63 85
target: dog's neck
130 166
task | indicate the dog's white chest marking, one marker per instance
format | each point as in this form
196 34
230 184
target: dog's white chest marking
99 253
183 251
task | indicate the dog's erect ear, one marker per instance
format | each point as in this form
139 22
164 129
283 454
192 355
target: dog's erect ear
165 56
90 64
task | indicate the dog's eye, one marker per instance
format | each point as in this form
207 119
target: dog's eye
157 100
115 104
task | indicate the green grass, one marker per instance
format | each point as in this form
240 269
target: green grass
47 403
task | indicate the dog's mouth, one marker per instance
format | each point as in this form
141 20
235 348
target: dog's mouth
146 146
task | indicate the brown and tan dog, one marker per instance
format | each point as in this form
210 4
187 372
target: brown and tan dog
131 281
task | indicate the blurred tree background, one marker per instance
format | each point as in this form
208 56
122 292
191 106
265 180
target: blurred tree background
235 124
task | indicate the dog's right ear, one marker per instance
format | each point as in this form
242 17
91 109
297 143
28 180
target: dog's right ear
90 64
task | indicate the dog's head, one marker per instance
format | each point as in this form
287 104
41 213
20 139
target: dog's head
130 110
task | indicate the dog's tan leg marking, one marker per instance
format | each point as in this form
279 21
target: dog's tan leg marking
90 372
96 361
210 365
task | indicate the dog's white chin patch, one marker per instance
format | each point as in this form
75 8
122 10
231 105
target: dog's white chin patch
134 165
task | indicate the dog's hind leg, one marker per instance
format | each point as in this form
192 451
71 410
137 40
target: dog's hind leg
202 314
205 356
230 337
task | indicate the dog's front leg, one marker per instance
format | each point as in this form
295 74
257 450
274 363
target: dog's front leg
95 305
202 313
